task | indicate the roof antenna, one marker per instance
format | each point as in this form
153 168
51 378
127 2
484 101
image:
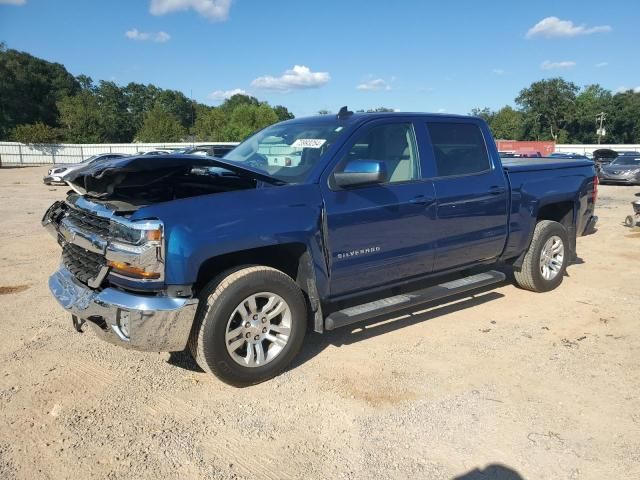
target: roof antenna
344 113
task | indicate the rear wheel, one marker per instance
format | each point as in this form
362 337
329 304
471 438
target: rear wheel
629 221
546 259
250 324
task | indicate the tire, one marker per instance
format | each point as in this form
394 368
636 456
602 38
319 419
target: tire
629 221
225 308
531 275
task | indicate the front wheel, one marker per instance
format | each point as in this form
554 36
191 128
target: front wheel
546 259
629 221
250 324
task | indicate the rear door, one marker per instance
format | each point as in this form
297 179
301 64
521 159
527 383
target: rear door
471 192
380 234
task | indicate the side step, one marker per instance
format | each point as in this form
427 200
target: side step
400 302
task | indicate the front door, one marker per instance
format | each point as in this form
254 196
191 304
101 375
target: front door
380 234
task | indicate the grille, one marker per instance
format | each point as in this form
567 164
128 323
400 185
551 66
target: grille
89 222
84 265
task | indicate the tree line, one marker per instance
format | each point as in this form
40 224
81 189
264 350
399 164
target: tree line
41 102
558 110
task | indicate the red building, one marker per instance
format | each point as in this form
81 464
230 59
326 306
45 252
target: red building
545 148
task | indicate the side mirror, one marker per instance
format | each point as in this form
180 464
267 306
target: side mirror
361 172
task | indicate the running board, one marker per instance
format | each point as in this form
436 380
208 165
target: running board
400 302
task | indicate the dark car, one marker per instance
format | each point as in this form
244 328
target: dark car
210 150
573 156
623 170
604 156
58 173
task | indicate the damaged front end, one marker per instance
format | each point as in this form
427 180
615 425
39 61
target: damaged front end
112 274
111 277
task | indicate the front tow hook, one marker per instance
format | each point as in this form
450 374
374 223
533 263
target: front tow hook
79 324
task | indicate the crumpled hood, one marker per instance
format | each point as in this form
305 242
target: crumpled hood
100 179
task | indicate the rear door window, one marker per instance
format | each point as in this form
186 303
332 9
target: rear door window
459 148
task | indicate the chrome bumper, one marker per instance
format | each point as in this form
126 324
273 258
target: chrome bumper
156 324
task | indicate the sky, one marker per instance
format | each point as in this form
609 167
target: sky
419 55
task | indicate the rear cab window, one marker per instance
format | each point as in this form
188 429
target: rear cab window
459 148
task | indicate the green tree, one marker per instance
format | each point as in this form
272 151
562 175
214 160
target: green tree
548 107
177 104
484 113
140 99
506 124
230 104
283 113
30 88
623 122
36 133
160 126
81 119
211 125
115 118
591 101
246 119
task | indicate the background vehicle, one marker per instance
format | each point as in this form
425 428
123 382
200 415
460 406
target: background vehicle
568 155
632 220
58 173
623 170
209 150
604 156
382 213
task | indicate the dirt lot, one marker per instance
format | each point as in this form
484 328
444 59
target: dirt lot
512 383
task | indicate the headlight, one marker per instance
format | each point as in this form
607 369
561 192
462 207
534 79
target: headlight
135 249
136 234
58 170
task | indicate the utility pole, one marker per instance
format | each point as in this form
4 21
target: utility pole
600 131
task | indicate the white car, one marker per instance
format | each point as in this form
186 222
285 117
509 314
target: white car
58 173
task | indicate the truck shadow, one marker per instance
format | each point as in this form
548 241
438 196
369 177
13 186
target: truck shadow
316 343
494 471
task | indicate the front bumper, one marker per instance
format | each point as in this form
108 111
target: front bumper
623 180
49 179
145 323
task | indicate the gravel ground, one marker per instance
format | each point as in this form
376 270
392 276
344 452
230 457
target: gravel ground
505 384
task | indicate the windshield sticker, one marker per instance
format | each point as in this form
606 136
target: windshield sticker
308 143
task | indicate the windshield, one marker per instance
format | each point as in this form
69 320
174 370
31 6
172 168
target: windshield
627 161
286 151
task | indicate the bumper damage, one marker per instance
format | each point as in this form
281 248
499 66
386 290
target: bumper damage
145 323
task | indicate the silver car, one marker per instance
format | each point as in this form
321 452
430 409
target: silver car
623 170
57 173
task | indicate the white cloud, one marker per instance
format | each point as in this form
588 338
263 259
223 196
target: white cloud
225 94
602 64
374 84
547 65
158 37
498 71
13 2
551 27
442 110
298 78
215 10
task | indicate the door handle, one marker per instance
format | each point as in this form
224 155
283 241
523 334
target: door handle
497 190
421 200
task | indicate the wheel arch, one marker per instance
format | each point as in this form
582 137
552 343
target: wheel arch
292 258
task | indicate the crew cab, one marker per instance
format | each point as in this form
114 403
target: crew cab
237 258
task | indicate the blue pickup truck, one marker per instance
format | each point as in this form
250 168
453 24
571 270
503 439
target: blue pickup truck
310 224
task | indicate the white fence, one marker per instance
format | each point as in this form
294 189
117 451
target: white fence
589 149
13 153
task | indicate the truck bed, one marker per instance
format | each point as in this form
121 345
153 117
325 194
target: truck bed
531 164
